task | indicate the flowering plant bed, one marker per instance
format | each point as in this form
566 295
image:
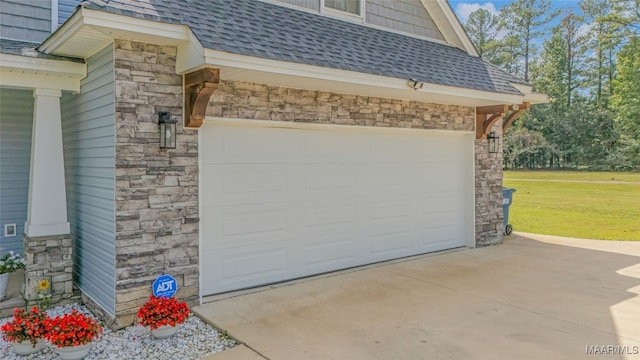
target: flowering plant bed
72 329
25 326
197 340
11 262
160 311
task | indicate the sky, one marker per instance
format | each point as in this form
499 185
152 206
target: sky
465 7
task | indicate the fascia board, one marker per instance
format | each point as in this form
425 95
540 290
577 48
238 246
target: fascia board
220 58
18 79
55 67
64 33
114 26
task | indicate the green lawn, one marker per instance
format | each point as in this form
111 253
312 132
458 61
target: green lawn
592 205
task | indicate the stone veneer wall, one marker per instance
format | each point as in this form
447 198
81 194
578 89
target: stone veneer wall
489 192
156 190
262 102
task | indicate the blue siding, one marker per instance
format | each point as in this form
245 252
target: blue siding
408 16
65 9
88 120
16 121
28 20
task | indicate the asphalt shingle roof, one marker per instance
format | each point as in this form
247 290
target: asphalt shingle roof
24 48
264 30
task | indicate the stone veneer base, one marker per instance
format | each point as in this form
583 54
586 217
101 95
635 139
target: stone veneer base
50 258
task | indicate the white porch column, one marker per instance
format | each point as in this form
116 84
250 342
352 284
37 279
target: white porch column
47 211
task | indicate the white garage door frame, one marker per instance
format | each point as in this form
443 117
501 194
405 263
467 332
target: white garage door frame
469 195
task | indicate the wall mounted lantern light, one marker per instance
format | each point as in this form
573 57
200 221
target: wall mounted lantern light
493 142
414 84
167 130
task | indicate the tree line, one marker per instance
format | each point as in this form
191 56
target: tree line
587 58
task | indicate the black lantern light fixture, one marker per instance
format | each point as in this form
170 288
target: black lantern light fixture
167 130
493 142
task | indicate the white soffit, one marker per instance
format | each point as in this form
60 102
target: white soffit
88 31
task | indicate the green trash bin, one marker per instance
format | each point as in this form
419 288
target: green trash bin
507 198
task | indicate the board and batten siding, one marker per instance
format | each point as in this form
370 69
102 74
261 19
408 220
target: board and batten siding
16 121
28 20
65 9
408 16
89 149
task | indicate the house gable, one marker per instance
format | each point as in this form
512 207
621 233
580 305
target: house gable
405 16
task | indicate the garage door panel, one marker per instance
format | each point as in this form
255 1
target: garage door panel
385 177
396 147
452 201
238 268
445 178
332 251
243 179
321 146
330 216
229 185
249 145
390 210
255 222
323 181
237 227
325 199
389 244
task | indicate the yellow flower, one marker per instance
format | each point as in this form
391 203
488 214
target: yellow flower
43 284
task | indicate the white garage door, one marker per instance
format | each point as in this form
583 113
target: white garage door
280 203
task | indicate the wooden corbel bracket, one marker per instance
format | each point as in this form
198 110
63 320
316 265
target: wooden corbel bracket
514 114
198 88
484 122
486 116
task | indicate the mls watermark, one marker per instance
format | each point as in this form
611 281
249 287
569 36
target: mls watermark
612 350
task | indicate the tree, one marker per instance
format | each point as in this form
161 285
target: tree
482 27
524 148
524 21
605 35
625 99
560 68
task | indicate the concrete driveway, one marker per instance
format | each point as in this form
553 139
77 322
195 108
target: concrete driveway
534 297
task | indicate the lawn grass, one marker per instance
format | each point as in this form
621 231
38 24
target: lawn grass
576 204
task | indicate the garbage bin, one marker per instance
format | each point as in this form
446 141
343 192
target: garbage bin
507 197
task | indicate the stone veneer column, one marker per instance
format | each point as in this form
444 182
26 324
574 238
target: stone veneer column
156 190
50 258
47 238
488 184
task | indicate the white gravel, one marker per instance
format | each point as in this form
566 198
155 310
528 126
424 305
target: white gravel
193 340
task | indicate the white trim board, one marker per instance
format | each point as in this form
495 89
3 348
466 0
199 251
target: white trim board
28 72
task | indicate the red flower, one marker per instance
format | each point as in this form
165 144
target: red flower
72 329
25 326
159 311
